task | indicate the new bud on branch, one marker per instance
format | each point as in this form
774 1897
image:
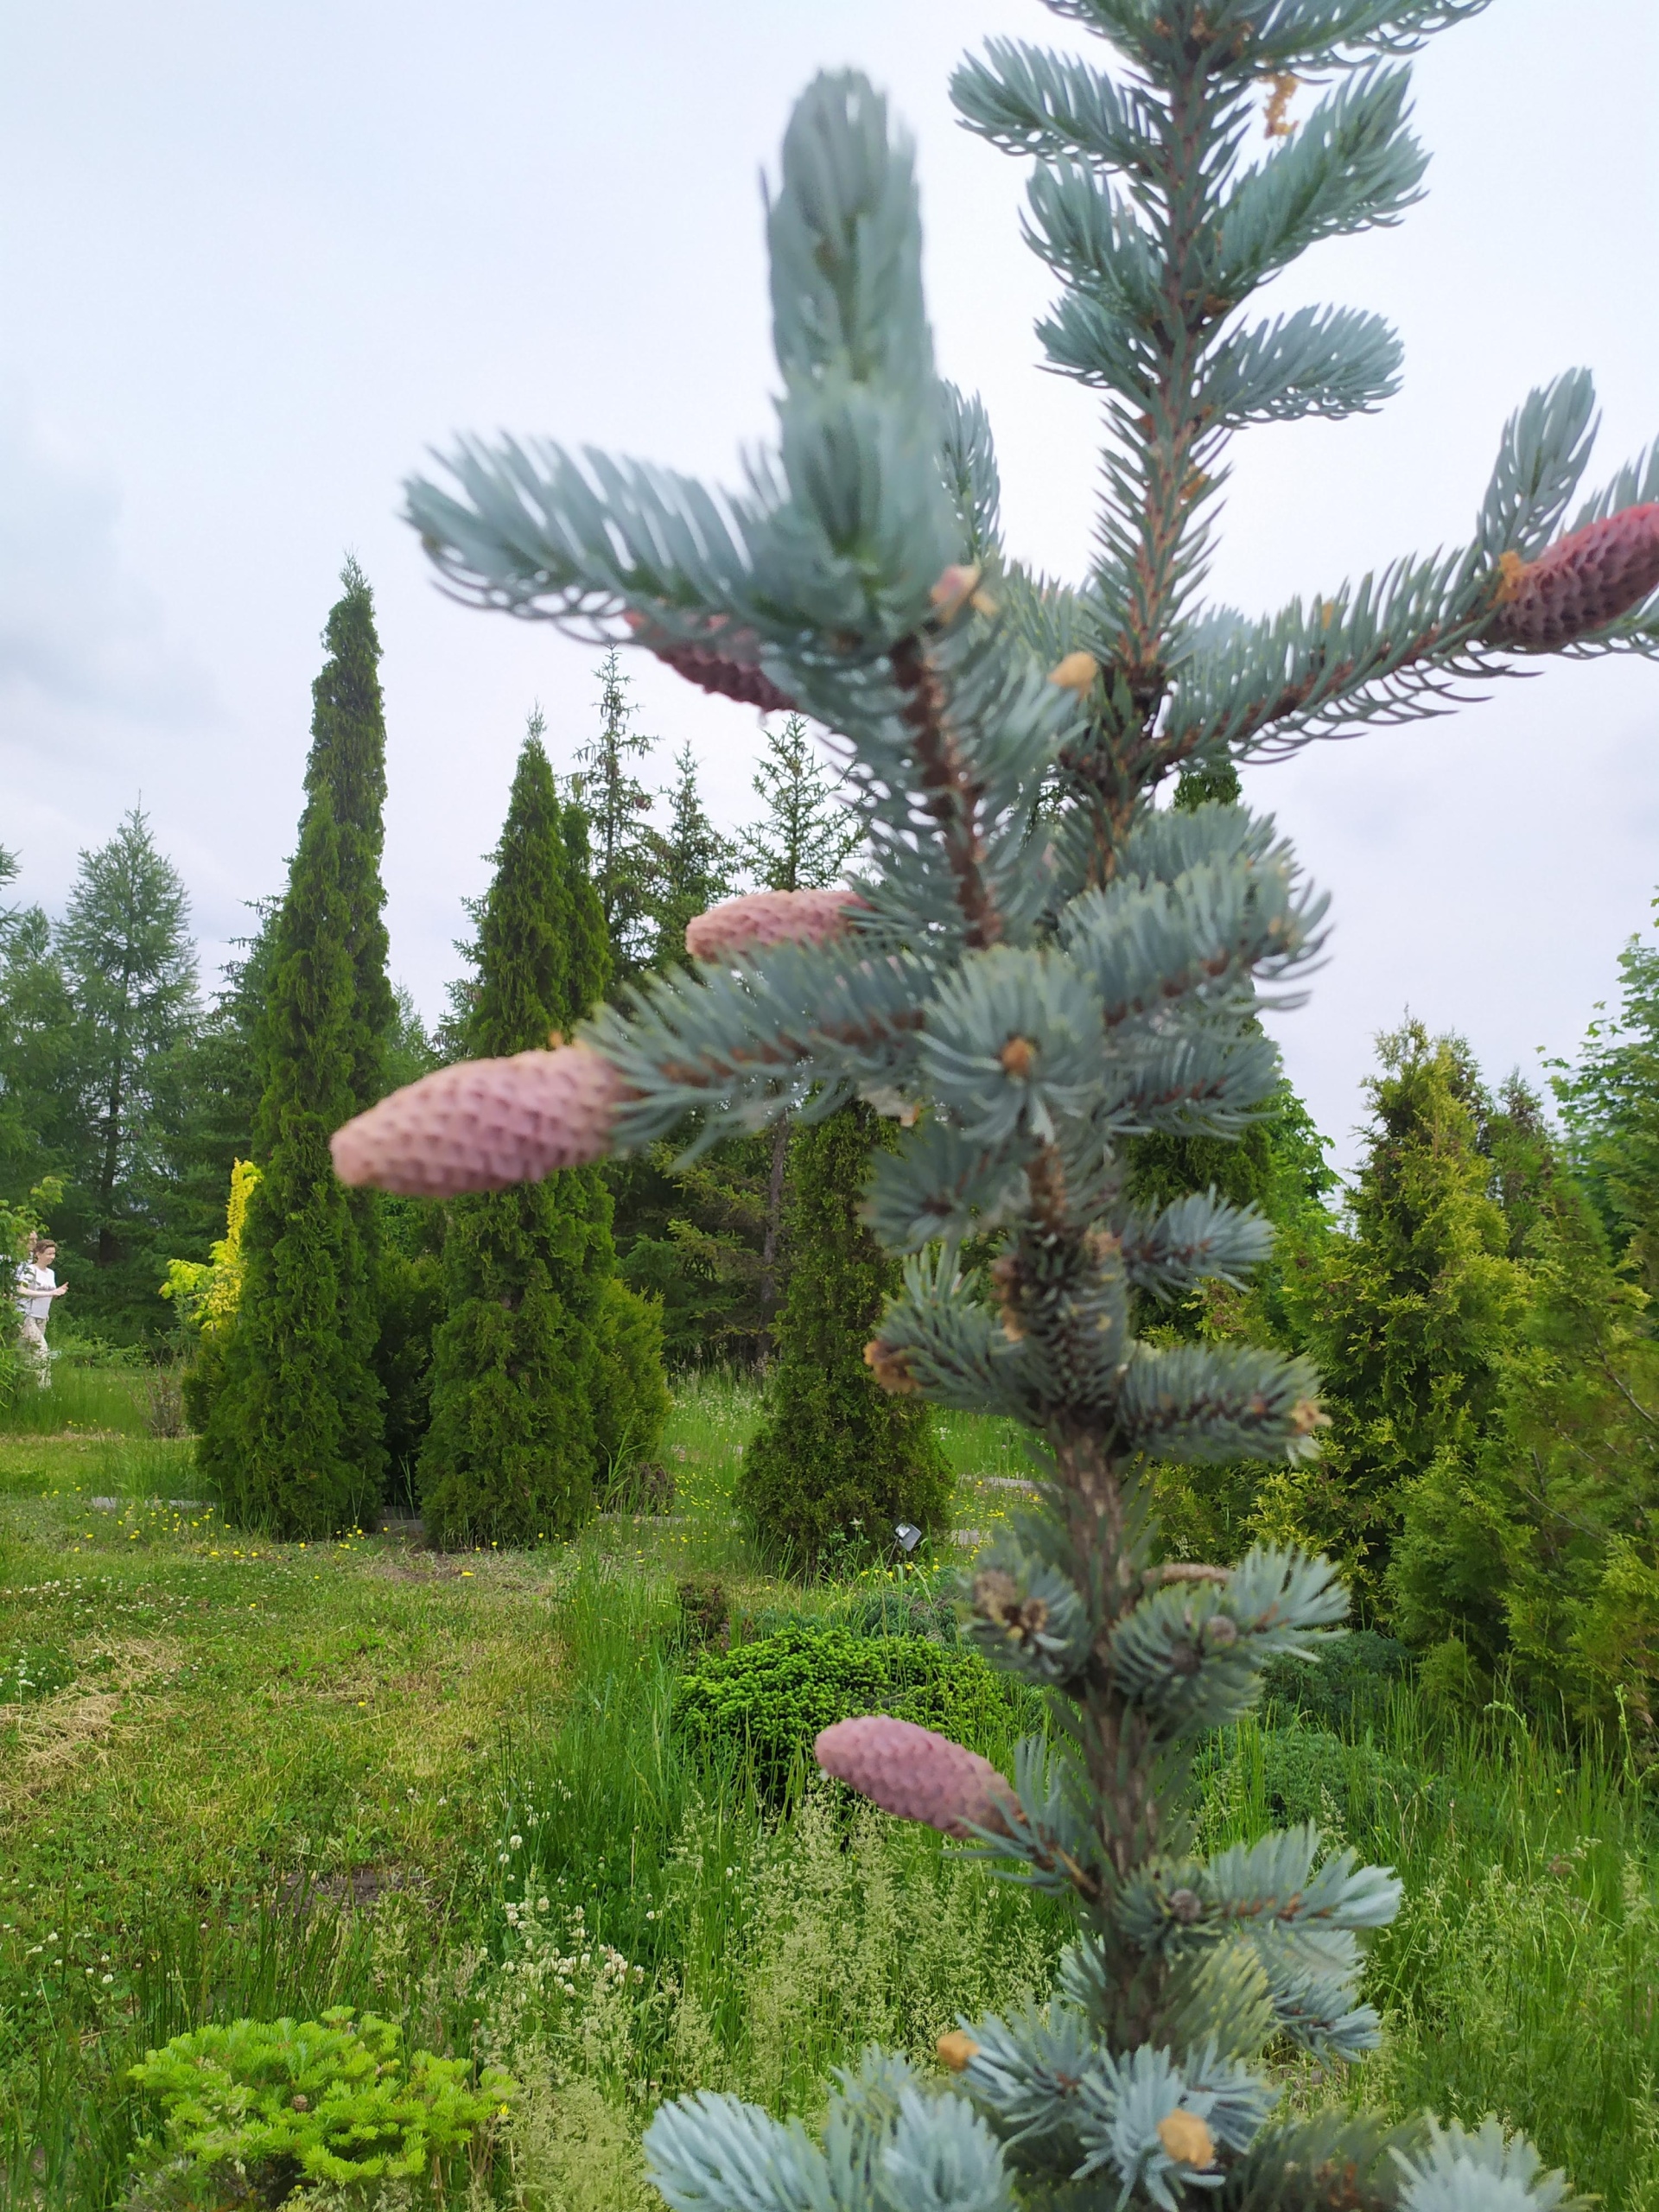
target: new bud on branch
915 1774
484 1125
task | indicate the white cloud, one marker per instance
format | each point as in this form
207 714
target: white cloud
77 629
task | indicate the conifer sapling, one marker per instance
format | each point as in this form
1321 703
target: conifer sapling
1043 966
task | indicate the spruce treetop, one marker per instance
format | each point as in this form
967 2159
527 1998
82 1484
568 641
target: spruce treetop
695 862
807 834
625 848
1039 965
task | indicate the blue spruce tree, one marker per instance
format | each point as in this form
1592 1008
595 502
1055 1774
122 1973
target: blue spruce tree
1039 965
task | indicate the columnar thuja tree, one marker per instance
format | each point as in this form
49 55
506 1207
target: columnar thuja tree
1023 985
293 1439
512 1450
837 1463
348 760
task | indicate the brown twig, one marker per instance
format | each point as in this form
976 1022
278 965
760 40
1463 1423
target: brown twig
953 797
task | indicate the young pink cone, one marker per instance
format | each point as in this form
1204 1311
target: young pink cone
732 668
766 917
916 1775
485 1124
1581 584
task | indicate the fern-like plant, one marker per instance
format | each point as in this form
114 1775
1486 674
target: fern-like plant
1035 964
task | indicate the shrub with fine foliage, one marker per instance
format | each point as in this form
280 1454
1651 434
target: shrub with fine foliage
770 1699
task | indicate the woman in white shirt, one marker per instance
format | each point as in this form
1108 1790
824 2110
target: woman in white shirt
37 1285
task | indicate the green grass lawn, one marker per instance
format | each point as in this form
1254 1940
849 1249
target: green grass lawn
244 1778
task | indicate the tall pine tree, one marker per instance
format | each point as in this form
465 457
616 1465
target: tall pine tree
293 1441
314 1456
348 760
514 1442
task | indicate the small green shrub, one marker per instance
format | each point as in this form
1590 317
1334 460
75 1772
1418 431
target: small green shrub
768 1700
1300 1773
260 2108
704 1610
1346 1688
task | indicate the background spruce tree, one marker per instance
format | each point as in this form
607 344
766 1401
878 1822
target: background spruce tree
695 864
132 972
522 1402
293 1437
1609 1102
626 851
208 1090
836 1462
1528 1549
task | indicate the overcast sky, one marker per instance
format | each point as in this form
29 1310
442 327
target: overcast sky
255 260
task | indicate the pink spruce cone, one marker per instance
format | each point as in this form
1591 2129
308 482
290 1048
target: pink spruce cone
911 1772
732 668
767 917
483 1124
1581 583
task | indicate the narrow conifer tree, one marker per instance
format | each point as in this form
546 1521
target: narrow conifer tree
293 1441
348 759
1410 1313
837 1463
513 1445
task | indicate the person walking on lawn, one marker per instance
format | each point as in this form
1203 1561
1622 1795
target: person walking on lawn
37 1285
